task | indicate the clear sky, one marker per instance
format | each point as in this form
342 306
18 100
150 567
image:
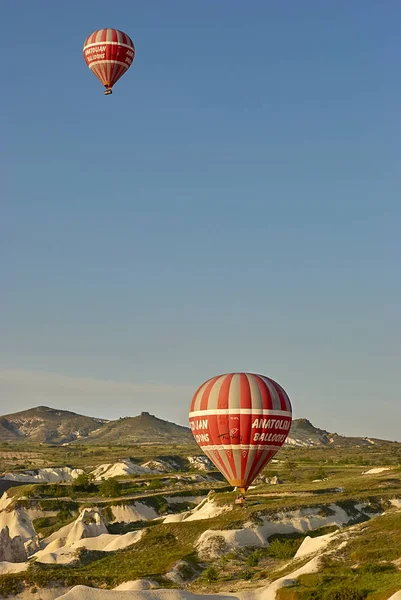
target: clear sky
234 205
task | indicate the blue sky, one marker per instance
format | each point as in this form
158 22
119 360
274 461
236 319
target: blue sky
234 205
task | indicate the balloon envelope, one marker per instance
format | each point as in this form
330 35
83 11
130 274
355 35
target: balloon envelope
108 53
240 421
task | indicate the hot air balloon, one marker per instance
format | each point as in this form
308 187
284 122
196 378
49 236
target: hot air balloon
240 421
108 53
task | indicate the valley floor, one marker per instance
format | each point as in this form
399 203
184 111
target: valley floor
331 530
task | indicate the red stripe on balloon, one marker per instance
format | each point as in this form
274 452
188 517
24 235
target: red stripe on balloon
279 390
265 394
245 392
222 402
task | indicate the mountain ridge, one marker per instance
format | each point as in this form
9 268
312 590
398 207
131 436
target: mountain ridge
56 426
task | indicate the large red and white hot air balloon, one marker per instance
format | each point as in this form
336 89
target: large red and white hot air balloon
240 421
109 53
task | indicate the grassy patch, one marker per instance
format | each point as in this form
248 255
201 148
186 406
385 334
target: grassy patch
48 525
342 582
382 540
363 569
22 491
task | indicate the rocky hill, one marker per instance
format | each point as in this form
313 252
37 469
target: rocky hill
143 429
44 424
48 425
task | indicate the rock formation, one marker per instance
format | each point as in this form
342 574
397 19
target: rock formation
11 549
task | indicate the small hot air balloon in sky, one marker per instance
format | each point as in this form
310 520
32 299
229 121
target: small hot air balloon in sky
109 53
240 421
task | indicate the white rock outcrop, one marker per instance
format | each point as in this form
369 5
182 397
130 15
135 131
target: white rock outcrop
46 475
217 542
90 523
202 463
12 549
119 469
131 513
18 524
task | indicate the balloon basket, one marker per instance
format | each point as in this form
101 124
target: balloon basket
108 92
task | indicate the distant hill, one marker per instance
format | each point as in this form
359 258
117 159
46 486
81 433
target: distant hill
303 433
143 429
43 424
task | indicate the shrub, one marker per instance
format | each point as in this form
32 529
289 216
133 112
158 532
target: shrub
246 574
155 484
210 574
185 571
345 593
253 559
283 548
378 568
310 595
108 513
321 473
10 585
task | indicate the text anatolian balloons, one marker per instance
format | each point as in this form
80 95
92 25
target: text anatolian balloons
240 420
109 54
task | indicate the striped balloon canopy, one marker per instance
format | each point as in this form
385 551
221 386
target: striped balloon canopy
240 421
108 53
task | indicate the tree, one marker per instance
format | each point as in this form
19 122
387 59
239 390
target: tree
110 488
84 483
